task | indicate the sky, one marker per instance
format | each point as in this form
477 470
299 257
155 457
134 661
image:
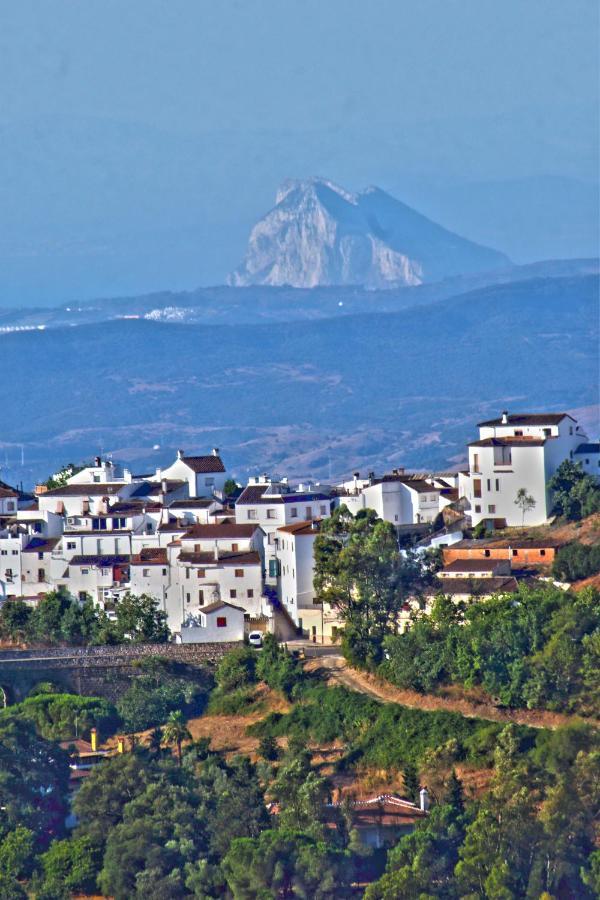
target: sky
140 140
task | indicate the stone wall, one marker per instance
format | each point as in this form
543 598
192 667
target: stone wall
98 671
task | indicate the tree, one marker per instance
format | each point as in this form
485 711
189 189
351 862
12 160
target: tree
34 777
68 867
525 502
286 863
278 668
17 852
101 799
139 619
268 748
15 621
230 487
410 782
360 572
301 795
176 732
236 670
574 494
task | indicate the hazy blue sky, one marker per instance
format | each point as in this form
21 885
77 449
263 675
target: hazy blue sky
132 117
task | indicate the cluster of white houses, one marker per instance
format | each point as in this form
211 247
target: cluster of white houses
220 566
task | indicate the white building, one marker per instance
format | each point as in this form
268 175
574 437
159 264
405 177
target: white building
217 622
204 475
588 456
398 498
514 452
272 504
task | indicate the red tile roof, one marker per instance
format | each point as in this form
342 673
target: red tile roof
204 464
527 419
220 530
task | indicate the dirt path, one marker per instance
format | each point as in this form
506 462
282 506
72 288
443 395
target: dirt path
340 673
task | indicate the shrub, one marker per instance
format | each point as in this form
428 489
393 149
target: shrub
236 670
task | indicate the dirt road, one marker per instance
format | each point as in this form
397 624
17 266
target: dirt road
338 672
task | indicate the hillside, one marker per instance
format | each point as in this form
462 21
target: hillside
319 234
302 397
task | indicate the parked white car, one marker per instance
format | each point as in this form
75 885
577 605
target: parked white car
255 639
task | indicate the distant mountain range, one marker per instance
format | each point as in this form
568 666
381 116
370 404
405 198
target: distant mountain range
312 396
318 234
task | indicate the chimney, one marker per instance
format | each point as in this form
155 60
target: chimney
505 417
215 451
120 745
97 462
94 739
424 799
163 485
180 454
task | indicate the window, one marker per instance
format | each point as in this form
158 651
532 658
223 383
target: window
106 571
502 456
542 552
475 462
309 513
96 479
85 571
164 571
478 509
221 622
41 574
82 596
492 509
486 552
489 484
187 573
15 552
233 593
9 573
209 481
323 509
239 573
477 488
71 545
40 555
294 512
497 484
201 573
146 573
250 593
187 598
252 514
235 548
271 514
201 598
4 553
274 568
515 553
547 432
10 505
587 462
570 429
395 518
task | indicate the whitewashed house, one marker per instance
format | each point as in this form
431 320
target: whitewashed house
205 475
272 504
513 452
398 498
218 622
588 457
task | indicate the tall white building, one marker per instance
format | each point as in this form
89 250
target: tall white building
517 451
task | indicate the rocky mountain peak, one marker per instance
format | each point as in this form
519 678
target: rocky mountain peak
320 234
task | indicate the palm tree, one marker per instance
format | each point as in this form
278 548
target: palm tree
176 732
